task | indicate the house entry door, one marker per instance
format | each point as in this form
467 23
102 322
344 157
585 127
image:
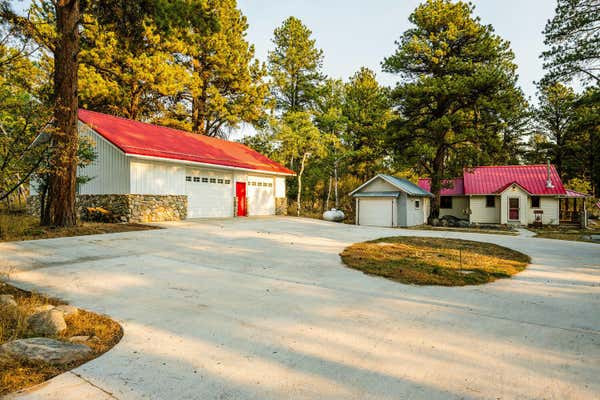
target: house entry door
513 209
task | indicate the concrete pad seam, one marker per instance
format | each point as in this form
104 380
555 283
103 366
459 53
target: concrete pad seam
112 396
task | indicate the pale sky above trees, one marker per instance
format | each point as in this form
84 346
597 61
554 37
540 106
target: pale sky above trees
355 33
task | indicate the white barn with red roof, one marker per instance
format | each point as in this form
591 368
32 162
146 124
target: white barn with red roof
507 194
220 178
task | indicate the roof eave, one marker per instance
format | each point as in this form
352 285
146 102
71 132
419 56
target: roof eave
209 165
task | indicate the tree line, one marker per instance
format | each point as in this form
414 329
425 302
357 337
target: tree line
190 66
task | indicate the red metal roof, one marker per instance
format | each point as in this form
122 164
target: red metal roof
138 138
450 187
494 179
532 178
573 193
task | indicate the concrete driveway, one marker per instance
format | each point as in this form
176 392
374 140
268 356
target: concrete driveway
264 309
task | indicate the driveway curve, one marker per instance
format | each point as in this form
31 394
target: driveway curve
264 309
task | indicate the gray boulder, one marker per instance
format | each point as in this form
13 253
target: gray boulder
47 323
48 350
7 300
463 224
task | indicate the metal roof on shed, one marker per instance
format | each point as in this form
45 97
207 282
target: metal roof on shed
403 185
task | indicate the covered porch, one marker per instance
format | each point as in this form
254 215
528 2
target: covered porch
573 209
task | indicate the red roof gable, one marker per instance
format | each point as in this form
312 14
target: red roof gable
532 178
450 187
494 179
138 138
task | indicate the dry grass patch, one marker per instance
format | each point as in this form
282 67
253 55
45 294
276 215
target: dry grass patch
561 233
433 261
14 227
15 373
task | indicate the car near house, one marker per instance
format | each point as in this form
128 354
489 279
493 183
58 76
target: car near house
386 200
218 178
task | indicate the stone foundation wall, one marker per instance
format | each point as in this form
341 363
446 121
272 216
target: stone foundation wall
128 207
281 206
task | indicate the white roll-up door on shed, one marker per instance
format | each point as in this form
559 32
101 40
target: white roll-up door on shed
210 193
376 212
261 195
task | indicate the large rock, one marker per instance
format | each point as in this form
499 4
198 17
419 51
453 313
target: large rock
7 300
48 350
463 224
47 323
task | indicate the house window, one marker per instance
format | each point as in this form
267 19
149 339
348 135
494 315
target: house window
196 179
417 204
490 201
270 185
445 202
219 180
227 181
188 178
204 180
259 183
213 180
535 202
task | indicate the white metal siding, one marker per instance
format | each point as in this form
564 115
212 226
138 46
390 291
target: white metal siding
459 204
110 169
379 185
376 212
484 215
551 208
280 187
152 177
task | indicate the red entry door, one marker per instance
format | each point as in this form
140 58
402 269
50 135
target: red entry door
240 195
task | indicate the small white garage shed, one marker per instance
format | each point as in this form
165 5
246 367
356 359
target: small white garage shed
389 201
220 178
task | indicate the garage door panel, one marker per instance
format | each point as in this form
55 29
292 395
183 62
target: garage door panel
261 195
210 193
375 212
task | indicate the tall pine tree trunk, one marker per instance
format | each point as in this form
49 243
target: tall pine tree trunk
60 204
436 184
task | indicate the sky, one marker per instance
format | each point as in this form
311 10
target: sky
355 33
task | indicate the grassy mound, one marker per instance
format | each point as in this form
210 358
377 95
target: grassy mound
18 373
434 261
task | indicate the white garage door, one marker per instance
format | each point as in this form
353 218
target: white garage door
261 195
210 193
375 212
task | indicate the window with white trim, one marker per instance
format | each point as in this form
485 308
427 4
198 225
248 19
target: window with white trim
196 179
188 178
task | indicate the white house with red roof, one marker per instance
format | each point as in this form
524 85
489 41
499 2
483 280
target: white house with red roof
220 178
508 194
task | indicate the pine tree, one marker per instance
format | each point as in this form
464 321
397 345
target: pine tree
456 73
225 83
573 36
295 67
